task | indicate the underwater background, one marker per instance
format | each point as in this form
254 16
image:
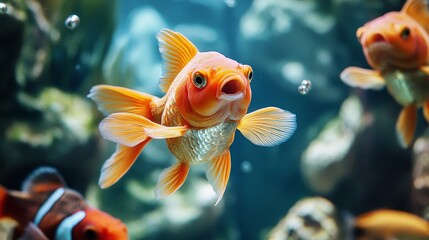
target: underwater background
342 161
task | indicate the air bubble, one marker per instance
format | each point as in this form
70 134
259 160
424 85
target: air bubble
306 83
305 87
72 22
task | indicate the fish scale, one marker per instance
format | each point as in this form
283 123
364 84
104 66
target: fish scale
200 145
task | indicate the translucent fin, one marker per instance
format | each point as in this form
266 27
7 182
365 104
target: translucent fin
426 110
176 51
171 179
119 163
111 99
32 232
406 125
268 126
217 173
43 179
418 10
362 78
130 129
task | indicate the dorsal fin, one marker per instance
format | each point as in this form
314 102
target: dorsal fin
176 51
43 179
418 10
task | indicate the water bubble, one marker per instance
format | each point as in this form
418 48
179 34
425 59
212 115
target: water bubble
305 87
303 90
306 83
72 22
246 166
3 7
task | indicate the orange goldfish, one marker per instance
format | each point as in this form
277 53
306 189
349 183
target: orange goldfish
396 46
46 209
391 224
206 100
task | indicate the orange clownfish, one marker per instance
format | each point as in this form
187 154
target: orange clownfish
46 209
206 100
396 46
391 224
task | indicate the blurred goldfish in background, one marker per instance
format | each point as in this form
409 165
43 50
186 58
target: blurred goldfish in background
46 209
396 46
387 224
206 99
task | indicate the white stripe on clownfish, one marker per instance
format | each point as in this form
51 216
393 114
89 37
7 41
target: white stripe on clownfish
64 230
47 205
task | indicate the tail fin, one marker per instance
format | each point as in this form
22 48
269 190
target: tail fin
111 99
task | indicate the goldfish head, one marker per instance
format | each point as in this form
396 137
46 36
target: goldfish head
215 88
394 40
99 225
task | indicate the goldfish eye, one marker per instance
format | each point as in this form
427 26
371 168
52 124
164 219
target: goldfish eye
91 234
199 81
405 33
250 75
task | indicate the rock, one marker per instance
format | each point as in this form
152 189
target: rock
420 176
59 132
49 69
310 218
325 161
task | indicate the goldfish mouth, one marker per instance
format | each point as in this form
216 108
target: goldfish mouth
231 90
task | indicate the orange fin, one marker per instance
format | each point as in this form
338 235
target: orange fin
43 179
217 173
426 110
268 126
171 179
176 51
406 125
362 78
119 163
394 222
111 99
130 129
418 10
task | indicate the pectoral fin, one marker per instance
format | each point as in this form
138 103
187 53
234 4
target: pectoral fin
406 125
362 78
112 99
119 163
171 179
268 126
130 129
217 173
426 110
